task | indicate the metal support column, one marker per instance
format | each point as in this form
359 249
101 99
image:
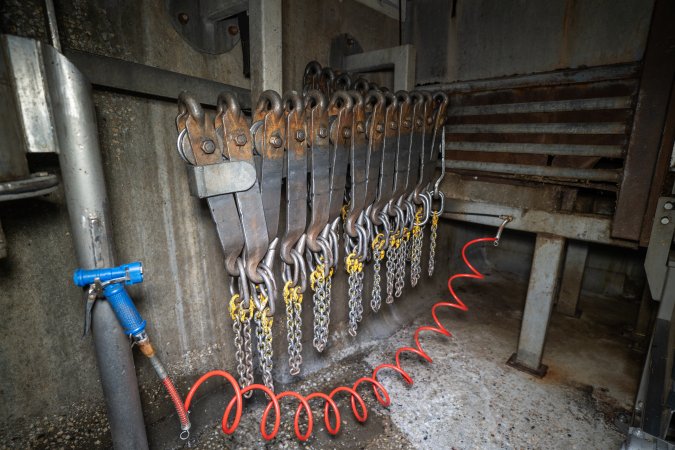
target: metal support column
265 29
541 292
62 107
572 278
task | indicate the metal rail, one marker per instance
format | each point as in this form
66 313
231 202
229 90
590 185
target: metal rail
539 171
606 151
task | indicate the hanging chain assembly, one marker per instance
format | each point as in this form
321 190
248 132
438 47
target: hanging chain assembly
360 164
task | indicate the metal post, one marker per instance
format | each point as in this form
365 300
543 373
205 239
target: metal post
541 292
82 172
52 25
265 29
572 278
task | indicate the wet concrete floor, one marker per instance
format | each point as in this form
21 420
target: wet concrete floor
468 398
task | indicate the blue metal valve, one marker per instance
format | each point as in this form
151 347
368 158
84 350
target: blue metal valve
131 273
114 292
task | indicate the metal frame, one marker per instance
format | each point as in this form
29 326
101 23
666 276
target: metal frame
401 58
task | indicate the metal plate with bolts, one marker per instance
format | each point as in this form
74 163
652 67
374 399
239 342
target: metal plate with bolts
209 26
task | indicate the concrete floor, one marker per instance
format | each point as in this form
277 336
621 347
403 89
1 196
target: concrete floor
468 398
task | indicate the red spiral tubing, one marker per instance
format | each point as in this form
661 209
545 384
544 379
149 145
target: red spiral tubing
357 403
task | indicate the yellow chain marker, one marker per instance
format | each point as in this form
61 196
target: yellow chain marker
378 244
343 211
316 276
233 306
242 312
434 218
297 296
288 292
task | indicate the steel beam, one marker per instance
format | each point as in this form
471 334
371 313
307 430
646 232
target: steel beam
583 227
537 171
125 76
541 292
265 33
572 278
648 123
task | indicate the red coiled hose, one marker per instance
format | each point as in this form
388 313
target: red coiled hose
357 403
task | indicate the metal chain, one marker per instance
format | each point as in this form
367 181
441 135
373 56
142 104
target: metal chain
416 249
264 322
321 285
392 257
432 243
378 253
354 267
401 255
242 341
248 353
238 342
293 300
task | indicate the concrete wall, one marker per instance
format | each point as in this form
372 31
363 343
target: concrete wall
494 38
46 368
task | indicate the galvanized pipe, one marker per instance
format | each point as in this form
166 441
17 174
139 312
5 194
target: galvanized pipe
87 200
539 171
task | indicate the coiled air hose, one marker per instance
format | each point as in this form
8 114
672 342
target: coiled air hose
358 405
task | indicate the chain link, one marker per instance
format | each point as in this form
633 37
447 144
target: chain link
321 285
432 243
392 257
263 331
416 249
401 254
378 253
241 326
293 301
354 267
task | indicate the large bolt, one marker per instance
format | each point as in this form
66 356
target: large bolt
300 135
183 18
240 140
379 128
275 141
347 132
360 127
393 125
419 123
233 30
323 132
665 220
668 206
208 146
406 123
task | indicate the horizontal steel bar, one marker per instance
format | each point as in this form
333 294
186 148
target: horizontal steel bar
583 227
538 171
540 128
606 151
583 104
593 74
126 76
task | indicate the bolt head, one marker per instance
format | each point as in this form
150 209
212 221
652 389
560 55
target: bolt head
323 132
379 128
347 133
665 220
208 146
183 18
419 123
275 141
240 139
360 127
233 30
407 123
429 120
300 135
393 125
668 206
